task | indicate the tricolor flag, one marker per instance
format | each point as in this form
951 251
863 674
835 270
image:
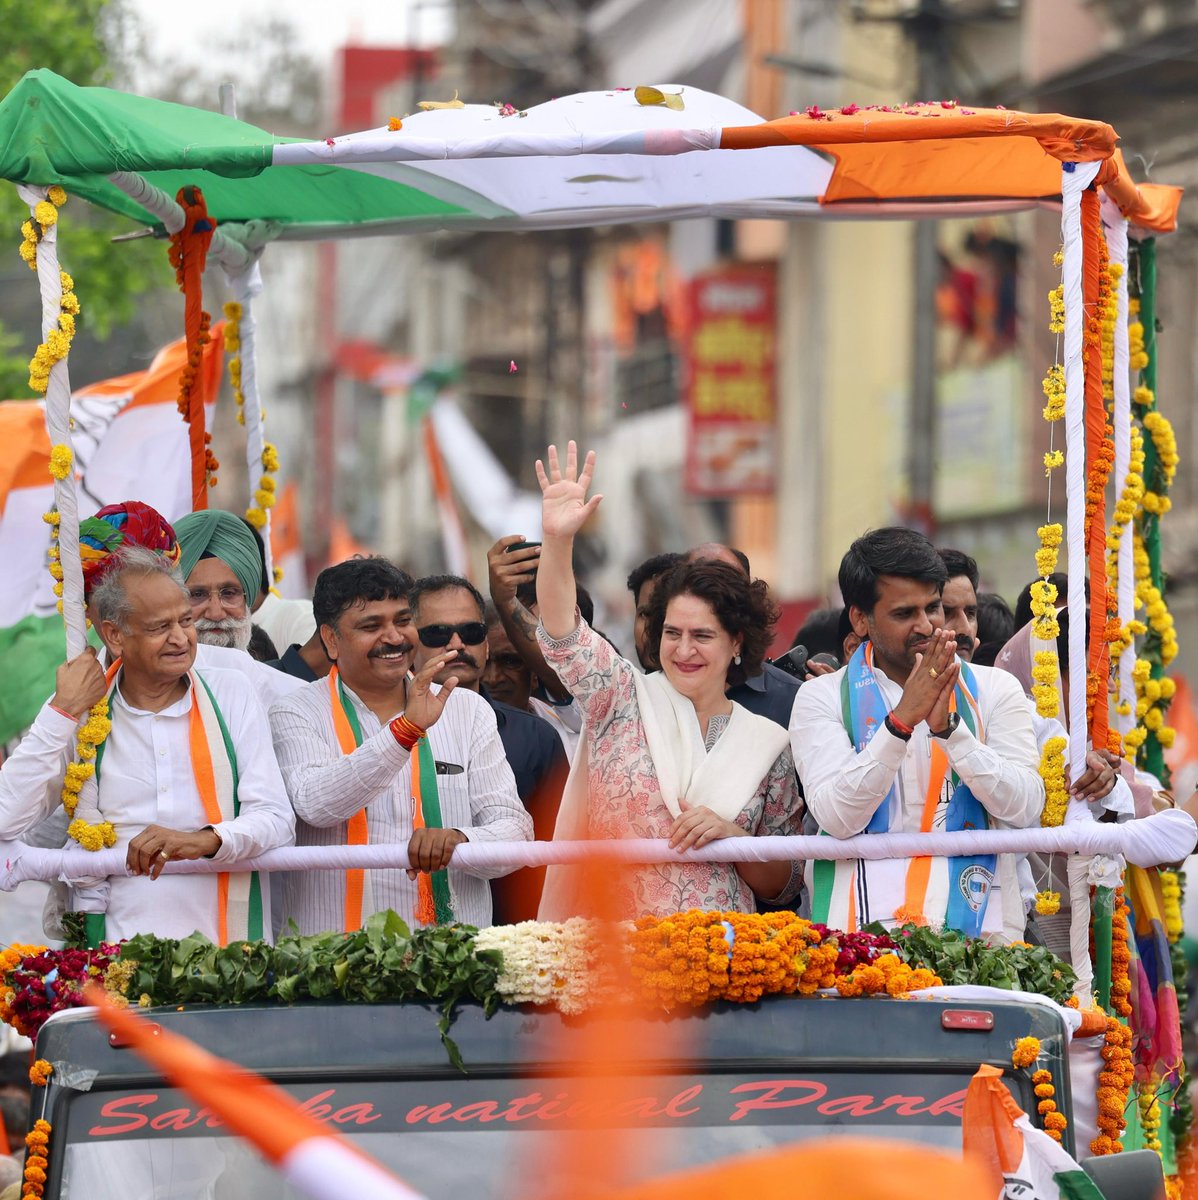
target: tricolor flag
130 444
303 1151
1023 1161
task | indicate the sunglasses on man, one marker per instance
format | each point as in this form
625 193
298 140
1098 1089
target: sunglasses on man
472 633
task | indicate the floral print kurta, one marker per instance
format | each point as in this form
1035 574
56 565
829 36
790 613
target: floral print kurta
625 800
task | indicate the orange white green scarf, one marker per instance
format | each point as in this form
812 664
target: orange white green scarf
433 902
214 768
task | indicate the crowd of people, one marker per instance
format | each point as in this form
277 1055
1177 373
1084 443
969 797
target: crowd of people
419 712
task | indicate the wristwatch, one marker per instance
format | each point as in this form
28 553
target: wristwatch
954 719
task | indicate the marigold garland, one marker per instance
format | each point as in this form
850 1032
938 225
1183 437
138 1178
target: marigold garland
887 975
1120 958
40 1072
266 493
1052 771
1054 391
187 254
90 736
1171 898
1053 1122
233 313
37 1158
1048 904
57 345
1114 1083
1150 1114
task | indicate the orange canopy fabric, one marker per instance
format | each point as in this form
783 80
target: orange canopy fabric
933 152
1066 138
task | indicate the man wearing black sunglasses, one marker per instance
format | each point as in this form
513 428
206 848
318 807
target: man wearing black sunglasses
449 614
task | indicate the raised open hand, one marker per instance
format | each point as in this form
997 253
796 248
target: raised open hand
565 508
423 705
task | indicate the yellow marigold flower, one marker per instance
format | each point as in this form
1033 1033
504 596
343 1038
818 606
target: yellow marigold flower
69 303
1026 1051
61 461
45 214
66 282
56 195
28 251
256 517
232 310
1166 735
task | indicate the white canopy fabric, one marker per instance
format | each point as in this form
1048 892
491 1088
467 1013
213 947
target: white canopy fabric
594 158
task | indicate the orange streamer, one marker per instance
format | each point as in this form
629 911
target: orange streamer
1099 459
188 255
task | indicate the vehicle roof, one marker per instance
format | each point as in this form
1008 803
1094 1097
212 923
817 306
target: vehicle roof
402 1039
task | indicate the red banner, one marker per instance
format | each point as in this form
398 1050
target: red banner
730 388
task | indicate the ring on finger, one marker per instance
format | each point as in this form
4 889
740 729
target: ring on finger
933 672
164 854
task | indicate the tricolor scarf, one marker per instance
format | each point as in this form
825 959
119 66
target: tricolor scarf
433 903
214 767
836 886
1153 995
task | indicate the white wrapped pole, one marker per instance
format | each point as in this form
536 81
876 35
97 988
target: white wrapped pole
246 286
58 426
1076 177
1167 836
1116 237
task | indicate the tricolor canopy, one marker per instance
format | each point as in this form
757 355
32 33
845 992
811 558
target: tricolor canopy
588 159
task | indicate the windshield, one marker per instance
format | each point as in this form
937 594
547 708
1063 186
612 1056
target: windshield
467 1135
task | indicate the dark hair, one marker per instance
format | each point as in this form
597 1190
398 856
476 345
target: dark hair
996 621
1023 606
526 593
819 633
895 550
742 606
358 580
957 563
263 580
261 648
651 568
432 584
694 555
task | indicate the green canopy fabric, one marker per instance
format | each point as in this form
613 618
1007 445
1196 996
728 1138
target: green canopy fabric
54 132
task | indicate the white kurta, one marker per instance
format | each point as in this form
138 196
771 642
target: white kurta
146 778
327 787
844 787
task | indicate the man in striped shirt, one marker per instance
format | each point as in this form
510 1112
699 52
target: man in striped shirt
345 746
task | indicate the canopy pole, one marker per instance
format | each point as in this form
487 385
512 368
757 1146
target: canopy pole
230 254
1075 179
58 426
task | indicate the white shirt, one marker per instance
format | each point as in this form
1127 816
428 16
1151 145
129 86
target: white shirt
285 622
269 682
566 720
844 787
327 787
146 778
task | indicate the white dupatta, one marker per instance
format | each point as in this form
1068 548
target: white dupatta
723 779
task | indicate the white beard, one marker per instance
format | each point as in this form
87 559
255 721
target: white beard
231 632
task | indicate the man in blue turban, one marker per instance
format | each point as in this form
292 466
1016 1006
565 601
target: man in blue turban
220 561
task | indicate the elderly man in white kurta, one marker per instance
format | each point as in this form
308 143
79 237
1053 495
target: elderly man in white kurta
187 770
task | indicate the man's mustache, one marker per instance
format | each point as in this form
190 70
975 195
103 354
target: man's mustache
383 651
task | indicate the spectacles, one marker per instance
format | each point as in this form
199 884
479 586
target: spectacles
472 633
230 597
